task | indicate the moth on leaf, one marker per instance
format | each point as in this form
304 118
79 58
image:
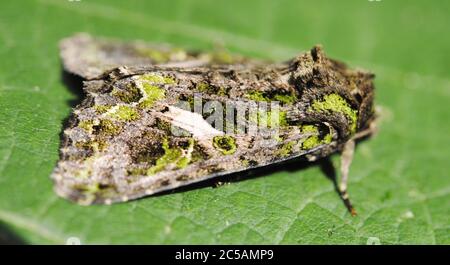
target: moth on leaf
157 117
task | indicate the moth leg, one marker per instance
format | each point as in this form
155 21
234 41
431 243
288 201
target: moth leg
346 160
219 184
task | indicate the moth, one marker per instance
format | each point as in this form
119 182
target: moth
157 117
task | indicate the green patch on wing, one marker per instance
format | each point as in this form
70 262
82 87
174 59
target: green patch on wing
175 156
152 90
336 103
123 113
285 98
314 140
225 144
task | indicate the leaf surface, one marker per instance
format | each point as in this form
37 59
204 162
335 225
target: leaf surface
400 181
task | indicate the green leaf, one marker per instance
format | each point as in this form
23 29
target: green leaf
400 181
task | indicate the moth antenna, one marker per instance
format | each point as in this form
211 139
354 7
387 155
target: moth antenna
346 160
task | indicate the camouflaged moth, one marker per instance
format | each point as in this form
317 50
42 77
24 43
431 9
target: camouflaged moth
156 117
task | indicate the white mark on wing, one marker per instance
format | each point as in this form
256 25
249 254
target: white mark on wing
191 122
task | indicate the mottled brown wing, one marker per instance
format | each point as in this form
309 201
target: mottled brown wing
90 57
121 143
138 132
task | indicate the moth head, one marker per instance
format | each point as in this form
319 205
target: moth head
332 87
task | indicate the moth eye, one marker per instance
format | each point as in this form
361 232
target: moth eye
358 96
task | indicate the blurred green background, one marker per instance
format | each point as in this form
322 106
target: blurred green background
400 181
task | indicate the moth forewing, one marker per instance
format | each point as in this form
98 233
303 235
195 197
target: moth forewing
91 57
145 129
